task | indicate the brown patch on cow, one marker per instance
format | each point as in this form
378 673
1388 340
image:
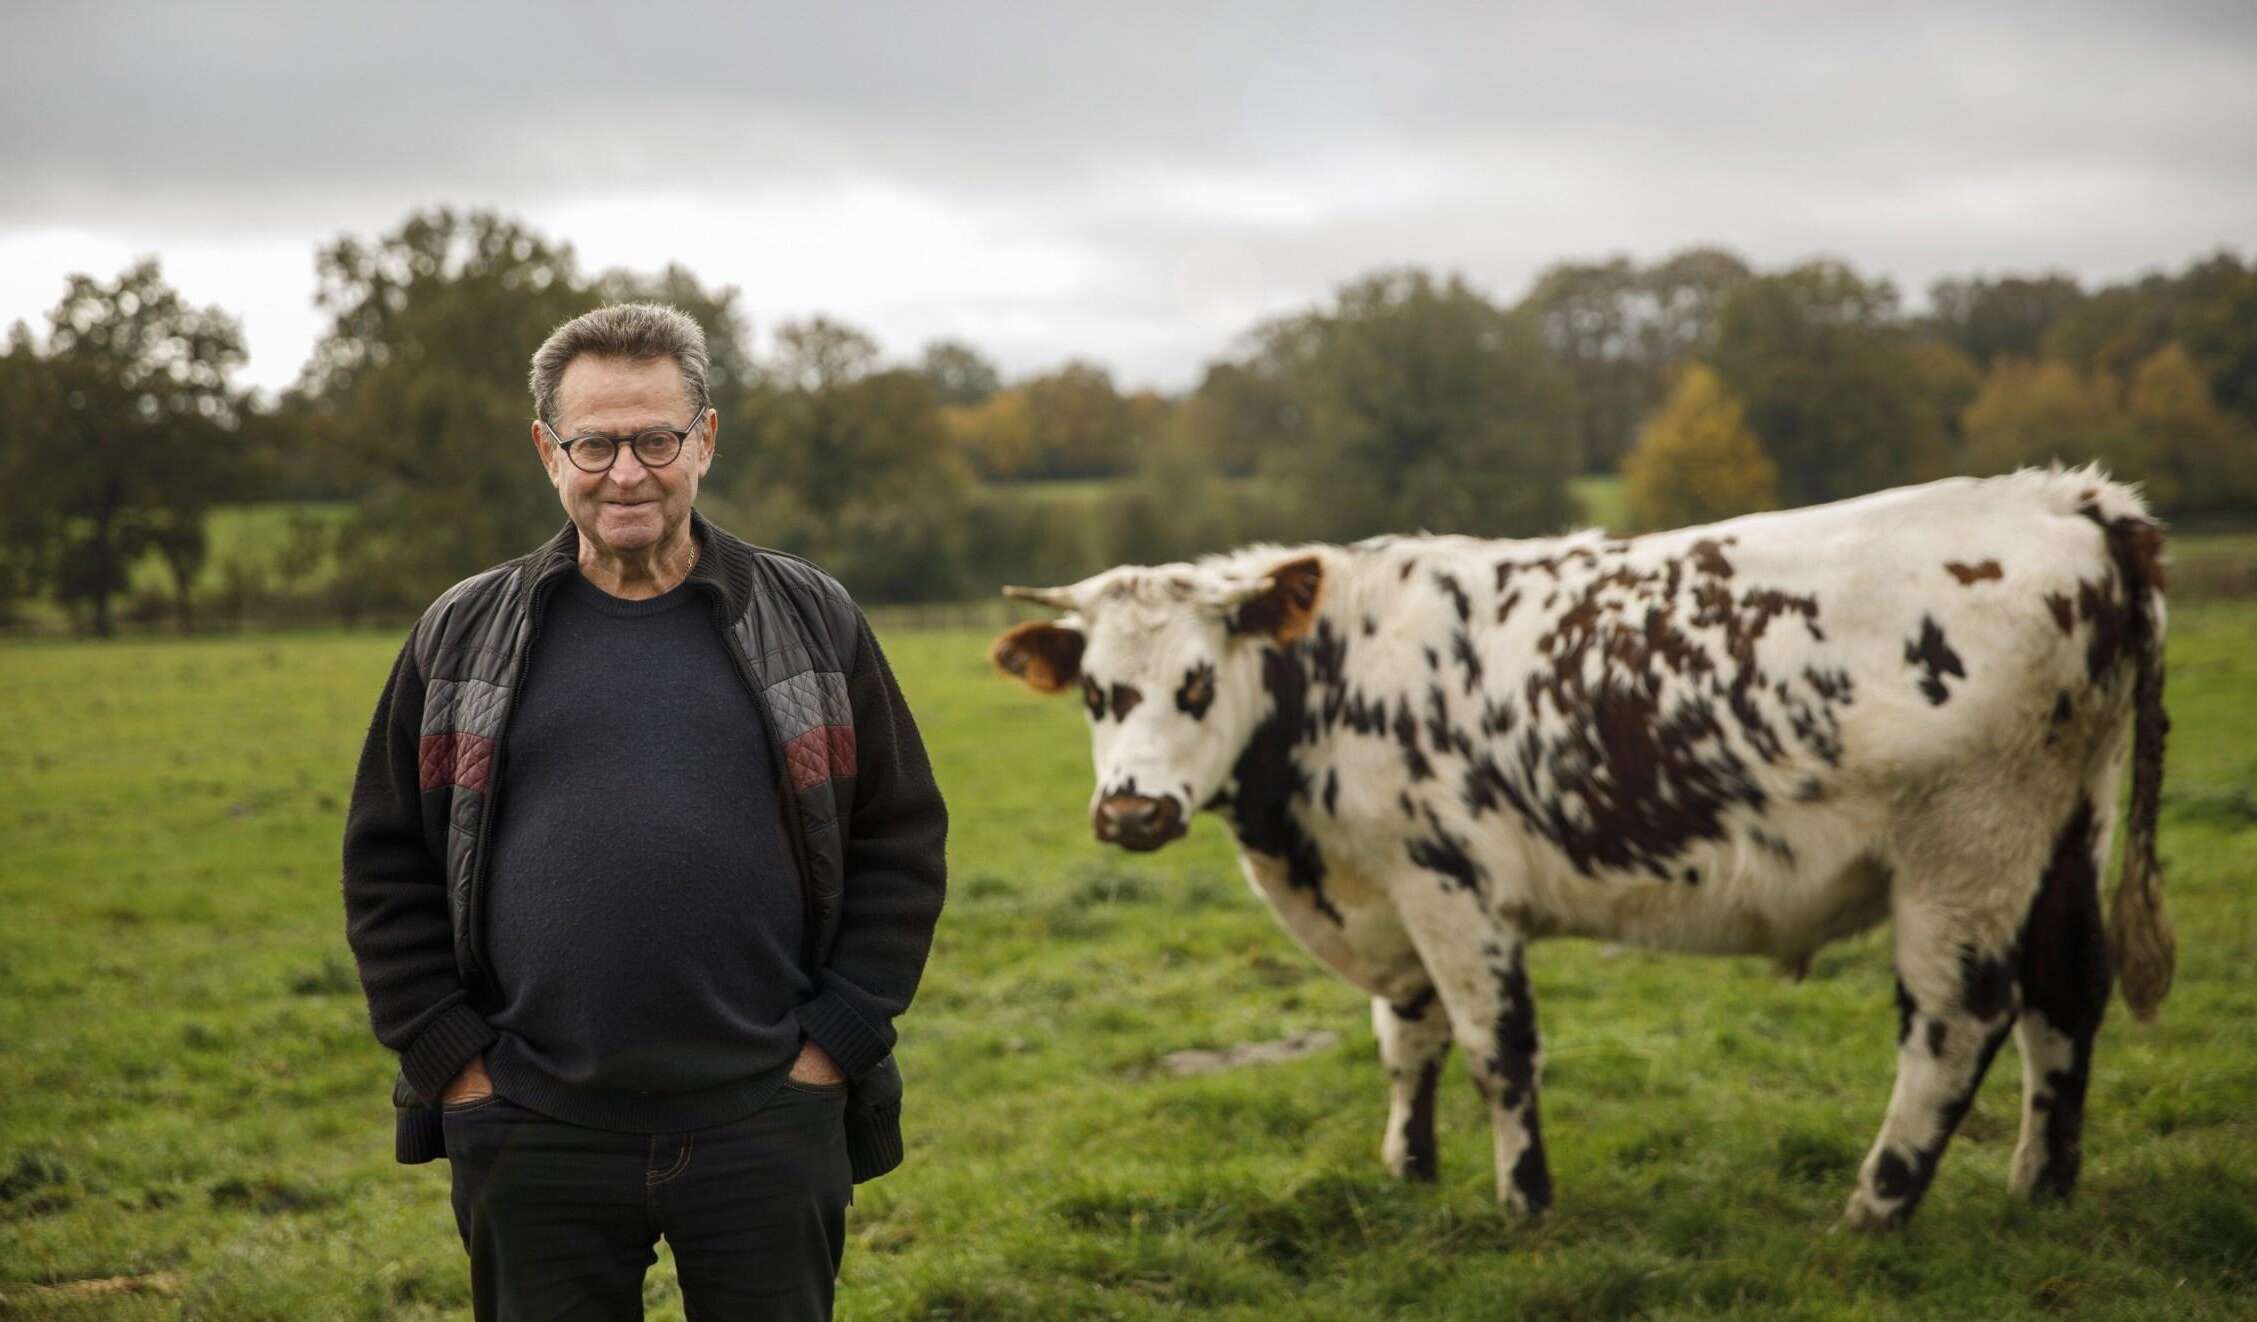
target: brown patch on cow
2120 628
2137 546
1287 608
1125 698
2111 628
2064 610
1969 575
1935 658
1039 654
1708 557
1632 780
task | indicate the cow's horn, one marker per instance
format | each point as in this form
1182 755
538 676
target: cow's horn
1235 591
1055 598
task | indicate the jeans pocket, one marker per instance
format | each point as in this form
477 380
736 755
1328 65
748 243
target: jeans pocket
469 1104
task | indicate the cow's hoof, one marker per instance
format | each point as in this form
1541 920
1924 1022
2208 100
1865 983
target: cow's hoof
2040 1179
1515 1202
1863 1214
1409 1167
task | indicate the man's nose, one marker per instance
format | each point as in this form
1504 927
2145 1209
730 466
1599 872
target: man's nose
626 470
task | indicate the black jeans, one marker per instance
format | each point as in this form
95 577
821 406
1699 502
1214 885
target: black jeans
561 1220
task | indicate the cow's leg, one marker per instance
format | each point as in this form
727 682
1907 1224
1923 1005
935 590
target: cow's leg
2064 993
1414 1038
1477 964
1956 992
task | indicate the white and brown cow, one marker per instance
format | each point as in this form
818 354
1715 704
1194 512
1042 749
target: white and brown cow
1754 737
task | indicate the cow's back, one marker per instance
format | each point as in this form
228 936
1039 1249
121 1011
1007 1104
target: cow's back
1700 737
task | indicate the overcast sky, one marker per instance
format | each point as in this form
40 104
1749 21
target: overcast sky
1133 183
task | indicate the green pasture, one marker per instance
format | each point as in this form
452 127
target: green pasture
193 1103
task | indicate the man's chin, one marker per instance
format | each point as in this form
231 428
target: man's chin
629 529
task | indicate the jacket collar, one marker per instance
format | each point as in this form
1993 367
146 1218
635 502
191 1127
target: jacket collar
724 564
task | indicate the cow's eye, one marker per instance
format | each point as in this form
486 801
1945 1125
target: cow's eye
1197 691
1093 697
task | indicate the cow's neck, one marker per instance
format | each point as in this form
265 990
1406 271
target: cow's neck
1270 783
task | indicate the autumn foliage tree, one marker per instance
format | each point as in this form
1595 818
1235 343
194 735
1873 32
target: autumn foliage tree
1696 461
1843 395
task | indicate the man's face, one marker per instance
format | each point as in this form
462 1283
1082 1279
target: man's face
628 508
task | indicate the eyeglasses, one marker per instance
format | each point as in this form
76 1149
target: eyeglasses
596 453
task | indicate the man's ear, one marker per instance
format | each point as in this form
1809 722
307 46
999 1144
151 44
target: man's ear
1044 655
1286 607
551 455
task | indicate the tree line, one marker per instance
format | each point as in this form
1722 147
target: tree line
1405 400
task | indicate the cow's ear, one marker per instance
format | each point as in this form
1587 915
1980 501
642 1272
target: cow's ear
1286 606
1044 655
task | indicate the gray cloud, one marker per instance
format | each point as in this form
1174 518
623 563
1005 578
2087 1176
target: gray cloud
1182 167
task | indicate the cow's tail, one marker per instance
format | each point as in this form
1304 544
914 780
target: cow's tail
2141 945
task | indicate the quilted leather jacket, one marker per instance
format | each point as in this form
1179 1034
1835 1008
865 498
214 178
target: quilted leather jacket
864 817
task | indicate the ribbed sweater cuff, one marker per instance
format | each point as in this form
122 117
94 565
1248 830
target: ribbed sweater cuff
873 1141
843 1034
446 1045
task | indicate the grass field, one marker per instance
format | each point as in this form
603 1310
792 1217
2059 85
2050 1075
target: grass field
193 1101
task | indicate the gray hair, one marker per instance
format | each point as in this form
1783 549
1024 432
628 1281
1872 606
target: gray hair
638 332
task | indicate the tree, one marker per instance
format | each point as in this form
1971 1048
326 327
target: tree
419 392
817 433
995 435
1236 415
2198 458
1696 461
2210 309
960 374
2042 412
1587 313
851 464
1417 403
1622 332
728 349
2007 317
2217 322
32 403
1842 396
1178 505
122 438
473 292
1078 424
1687 293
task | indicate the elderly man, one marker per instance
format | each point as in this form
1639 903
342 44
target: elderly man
643 860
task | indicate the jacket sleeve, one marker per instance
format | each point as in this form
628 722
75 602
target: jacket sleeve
896 874
396 898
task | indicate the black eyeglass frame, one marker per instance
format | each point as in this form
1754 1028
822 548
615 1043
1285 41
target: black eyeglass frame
680 438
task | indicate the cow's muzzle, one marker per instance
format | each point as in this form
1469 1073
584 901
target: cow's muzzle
1133 821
